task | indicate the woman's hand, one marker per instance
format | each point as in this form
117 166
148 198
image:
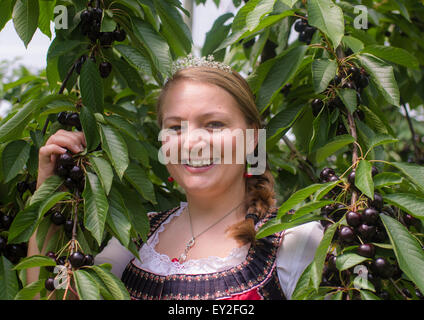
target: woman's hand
56 145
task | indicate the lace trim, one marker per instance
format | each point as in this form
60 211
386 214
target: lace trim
153 261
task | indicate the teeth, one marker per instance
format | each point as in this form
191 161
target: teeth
198 163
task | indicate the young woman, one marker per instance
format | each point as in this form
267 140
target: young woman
205 248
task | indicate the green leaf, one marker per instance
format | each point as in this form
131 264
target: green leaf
382 75
297 198
86 286
118 219
24 224
140 181
14 157
323 71
328 17
5 12
116 149
156 46
385 179
104 172
335 144
320 254
303 286
254 17
90 129
408 251
25 19
91 85
367 295
173 28
363 178
134 57
348 260
95 206
396 55
48 203
282 121
380 139
46 189
353 43
217 34
413 172
284 67
112 283
34 261
28 292
410 203
349 98
8 280
46 16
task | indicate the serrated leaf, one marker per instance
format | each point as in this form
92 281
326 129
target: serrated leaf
332 146
95 206
46 189
384 179
380 139
328 17
140 181
396 55
14 157
113 284
46 16
91 85
104 172
116 149
117 218
284 67
382 75
25 19
34 261
323 71
90 129
408 251
5 12
348 260
29 292
24 224
410 203
413 172
349 98
8 280
135 58
86 286
363 178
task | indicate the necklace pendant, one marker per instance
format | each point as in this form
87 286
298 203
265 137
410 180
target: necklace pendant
182 258
190 244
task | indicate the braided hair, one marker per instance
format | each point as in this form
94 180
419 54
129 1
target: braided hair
260 195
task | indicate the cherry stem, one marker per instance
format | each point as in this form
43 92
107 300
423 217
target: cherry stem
352 129
74 228
398 289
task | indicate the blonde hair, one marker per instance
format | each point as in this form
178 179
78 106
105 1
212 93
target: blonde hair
260 195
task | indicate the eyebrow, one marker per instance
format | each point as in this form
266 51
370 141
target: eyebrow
204 115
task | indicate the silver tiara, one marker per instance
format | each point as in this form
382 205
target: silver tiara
190 61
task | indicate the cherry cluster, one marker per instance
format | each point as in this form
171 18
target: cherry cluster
306 31
91 20
12 251
70 119
76 260
67 168
361 233
352 78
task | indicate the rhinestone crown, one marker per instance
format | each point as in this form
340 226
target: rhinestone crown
190 61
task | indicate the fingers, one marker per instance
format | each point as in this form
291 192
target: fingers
73 141
46 152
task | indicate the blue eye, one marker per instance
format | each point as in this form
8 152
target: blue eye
216 124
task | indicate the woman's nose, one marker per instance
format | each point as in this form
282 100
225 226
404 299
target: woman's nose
194 139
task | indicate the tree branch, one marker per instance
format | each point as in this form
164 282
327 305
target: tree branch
353 133
302 162
411 128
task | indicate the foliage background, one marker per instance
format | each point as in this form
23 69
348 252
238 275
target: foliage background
125 180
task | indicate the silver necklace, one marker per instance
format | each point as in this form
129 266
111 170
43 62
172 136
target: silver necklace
192 241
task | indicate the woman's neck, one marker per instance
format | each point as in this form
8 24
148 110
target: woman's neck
206 209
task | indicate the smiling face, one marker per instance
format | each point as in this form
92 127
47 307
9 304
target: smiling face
206 108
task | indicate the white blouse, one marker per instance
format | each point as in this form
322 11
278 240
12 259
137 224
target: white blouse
297 250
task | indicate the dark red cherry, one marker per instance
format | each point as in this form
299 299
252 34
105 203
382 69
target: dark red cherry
88 260
76 259
351 177
326 173
58 218
76 173
353 218
62 171
377 203
346 234
366 250
61 118
366 232
119 35
49 284
382 268
65 160
370 216
105 69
